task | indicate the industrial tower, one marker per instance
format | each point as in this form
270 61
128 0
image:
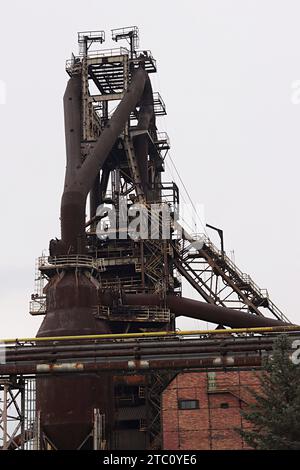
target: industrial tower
118 271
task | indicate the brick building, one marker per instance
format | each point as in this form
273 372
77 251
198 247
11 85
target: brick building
200 410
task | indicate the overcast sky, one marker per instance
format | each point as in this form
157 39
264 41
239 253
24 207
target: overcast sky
226 69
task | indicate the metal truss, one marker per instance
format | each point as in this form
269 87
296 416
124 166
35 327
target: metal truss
219 281
12 413
18 421
156 384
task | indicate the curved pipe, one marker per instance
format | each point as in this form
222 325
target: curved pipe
32 351
72 117
132 353
182 306
80 177
112 130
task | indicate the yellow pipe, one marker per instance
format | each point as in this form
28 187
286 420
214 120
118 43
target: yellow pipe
273 329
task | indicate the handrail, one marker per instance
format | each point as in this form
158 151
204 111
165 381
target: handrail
245 277
162 137
97 53
54 262
261 293
37 306
138 312
90 34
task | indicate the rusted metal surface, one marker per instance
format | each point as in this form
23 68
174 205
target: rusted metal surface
135 353
76 355
67 405
147 346
80 177
124 367
74 379
67 401
182 306
137 348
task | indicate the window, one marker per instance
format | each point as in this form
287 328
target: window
224 405
188 404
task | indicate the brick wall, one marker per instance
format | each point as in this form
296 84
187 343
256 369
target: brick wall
221 395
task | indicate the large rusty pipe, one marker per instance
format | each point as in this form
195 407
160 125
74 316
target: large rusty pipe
73 203
67 405
181 351
85 348
212 363
113 129
72 117
80 178
182 306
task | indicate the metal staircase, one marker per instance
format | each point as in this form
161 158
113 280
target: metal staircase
218 280
154 247
37 305
210 271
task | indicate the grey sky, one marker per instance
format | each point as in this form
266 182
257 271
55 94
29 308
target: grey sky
225 70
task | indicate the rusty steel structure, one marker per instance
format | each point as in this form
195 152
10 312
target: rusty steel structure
145 361
100 280
131 354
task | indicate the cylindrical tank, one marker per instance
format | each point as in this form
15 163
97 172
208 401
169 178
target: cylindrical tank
67 402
